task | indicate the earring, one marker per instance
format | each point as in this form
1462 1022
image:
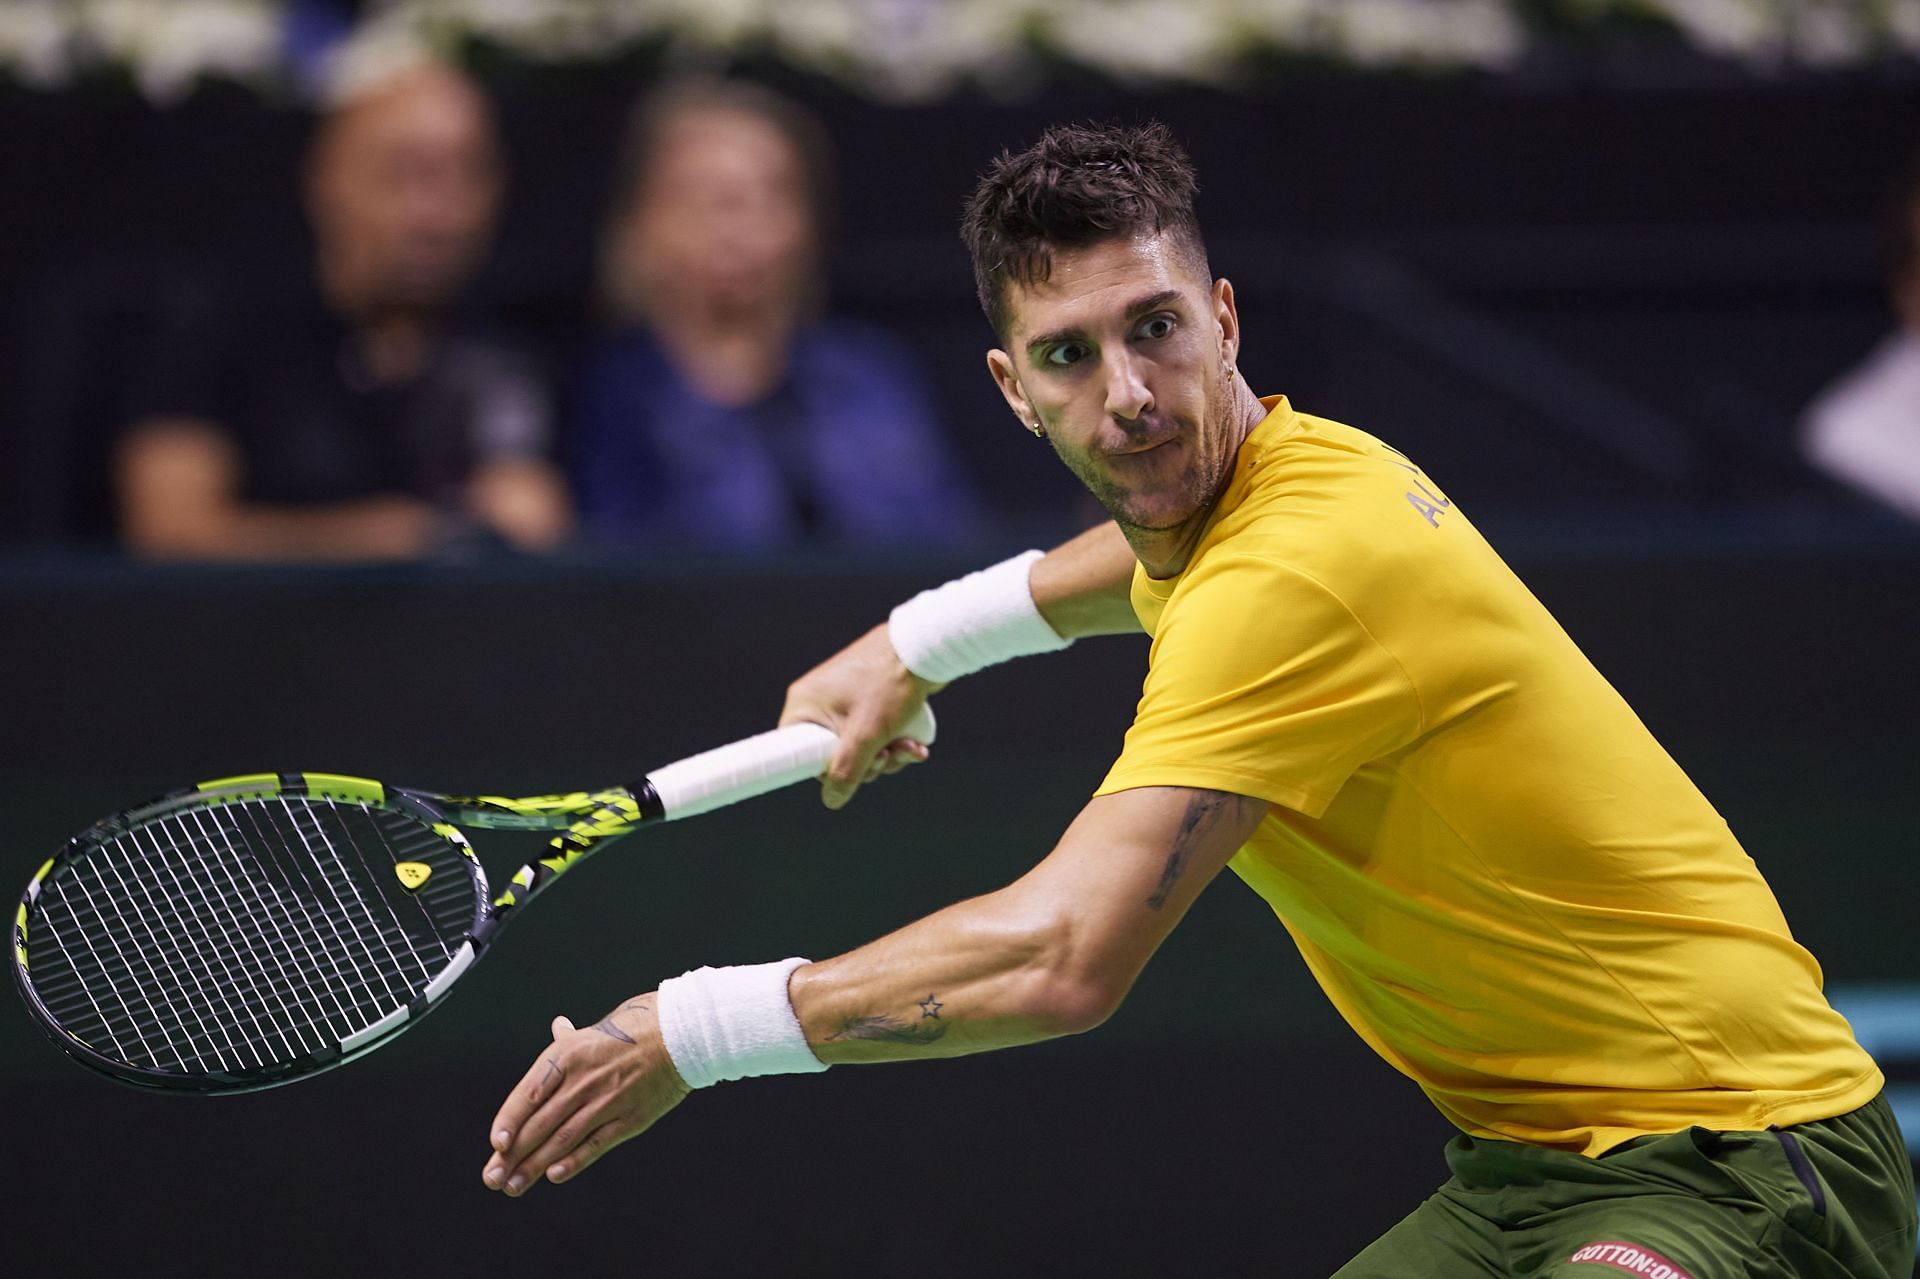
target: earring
1038 430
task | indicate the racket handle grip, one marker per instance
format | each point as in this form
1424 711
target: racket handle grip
755 765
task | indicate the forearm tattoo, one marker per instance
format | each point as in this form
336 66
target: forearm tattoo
882 1028
1203 813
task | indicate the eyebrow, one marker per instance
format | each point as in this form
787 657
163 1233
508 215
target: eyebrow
1139 306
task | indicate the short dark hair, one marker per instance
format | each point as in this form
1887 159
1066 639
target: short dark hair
1078 185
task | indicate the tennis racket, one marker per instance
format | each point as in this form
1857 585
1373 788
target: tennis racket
254 930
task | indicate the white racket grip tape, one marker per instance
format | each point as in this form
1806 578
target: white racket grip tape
755 765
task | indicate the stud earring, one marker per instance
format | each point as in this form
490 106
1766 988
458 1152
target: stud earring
1038 431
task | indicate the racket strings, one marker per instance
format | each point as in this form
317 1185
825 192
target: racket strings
214 959
356 929
255 960
258 965
236 938
217 968
219 951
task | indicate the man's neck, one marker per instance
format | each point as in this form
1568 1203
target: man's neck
394 342
730 360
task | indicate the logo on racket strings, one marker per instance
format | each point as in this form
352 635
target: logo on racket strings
412 874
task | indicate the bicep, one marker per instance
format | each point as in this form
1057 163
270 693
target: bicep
1082 586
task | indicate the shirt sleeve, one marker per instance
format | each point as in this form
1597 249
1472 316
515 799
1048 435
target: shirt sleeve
1263 682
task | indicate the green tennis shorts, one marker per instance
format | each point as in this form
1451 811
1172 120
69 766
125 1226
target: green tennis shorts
1833 1198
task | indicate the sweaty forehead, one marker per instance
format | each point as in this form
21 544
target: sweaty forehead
1097 281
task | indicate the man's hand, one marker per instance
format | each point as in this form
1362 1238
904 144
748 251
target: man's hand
591 1090
522 500
864 694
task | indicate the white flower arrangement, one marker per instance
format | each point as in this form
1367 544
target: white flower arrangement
920 48
36 42
165 48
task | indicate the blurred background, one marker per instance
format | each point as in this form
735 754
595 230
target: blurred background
514 396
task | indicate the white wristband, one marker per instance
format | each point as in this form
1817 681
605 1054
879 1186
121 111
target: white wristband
733 1023
972 622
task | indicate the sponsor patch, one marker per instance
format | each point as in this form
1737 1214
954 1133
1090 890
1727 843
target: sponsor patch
1629 1258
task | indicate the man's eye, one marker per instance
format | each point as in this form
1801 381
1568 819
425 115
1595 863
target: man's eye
1066 353
1156 326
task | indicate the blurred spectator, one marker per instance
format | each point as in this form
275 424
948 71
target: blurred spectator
354 420
725 411
1864 430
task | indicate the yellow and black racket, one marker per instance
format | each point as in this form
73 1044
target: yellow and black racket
253 930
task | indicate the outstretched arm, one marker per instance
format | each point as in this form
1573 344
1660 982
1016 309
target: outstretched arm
178 483
1052 954
866 693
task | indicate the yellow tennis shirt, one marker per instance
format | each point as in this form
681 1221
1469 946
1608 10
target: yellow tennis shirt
1503 882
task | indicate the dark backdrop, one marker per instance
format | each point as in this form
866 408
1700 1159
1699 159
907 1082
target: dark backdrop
1223 1122
1590 304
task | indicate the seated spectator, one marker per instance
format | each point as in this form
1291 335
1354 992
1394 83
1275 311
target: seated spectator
355 419
725 412
1864 430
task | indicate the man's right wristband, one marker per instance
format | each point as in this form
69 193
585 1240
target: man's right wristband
733 1023
972 622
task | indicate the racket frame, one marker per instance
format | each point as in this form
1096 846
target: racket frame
586 819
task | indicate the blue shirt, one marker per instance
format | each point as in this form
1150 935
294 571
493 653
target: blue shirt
844 448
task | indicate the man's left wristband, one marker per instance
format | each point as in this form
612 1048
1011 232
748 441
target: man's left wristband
734 1023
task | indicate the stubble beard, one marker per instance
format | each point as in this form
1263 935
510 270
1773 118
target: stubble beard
1201 484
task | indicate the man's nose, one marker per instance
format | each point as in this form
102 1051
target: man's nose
1127 393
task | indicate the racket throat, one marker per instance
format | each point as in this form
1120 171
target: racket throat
490 921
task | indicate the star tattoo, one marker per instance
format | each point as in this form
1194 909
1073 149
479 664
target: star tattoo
930 1007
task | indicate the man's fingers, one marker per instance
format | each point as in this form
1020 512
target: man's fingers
534 1087
527 1117
897 754
860 740
515 1170
592 1146
903 753
850 759
579 1139
842 777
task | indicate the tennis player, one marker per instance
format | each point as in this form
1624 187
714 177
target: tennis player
1500 879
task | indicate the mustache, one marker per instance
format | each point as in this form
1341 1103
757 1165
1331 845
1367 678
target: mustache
1144 432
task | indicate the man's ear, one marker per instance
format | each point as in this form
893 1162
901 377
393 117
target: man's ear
1227 315
1007 378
